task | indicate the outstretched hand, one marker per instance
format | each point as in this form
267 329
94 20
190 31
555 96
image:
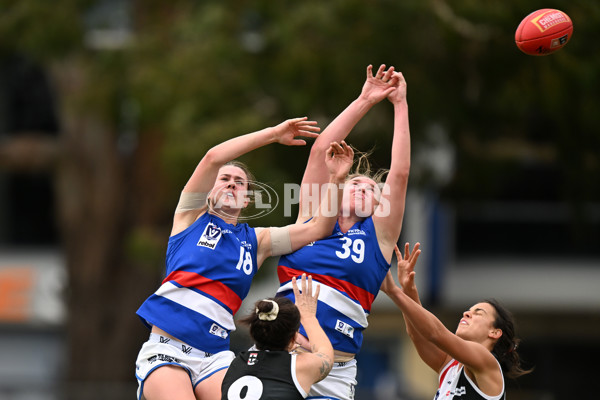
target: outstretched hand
406 267
380 86
288 131
305 301
398 95
338 159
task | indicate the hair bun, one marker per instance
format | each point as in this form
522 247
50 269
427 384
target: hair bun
268 315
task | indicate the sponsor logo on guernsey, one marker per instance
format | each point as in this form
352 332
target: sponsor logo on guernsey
344 328
458 392
210 237
356 232
218 331
252 358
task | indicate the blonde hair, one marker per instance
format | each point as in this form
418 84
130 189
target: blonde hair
362 167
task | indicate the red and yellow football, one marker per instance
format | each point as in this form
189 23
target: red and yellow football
543 32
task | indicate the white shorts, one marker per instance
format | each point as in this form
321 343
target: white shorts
159 351
338 385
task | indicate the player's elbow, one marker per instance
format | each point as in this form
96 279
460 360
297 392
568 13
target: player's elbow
212 157
400 170
319 148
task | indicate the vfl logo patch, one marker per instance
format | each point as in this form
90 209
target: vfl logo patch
252 358
344 328
210 237
218 331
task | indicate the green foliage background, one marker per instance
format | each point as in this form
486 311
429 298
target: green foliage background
192 74
200 72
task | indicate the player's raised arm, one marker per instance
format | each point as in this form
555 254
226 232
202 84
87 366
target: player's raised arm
314 366
390 211
193 201
375 89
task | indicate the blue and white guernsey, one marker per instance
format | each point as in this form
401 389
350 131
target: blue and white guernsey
210 266
350 268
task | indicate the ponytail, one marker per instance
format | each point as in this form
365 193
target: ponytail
505 349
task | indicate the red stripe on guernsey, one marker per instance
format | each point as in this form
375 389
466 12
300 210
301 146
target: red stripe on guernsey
364 297
452 364
215 289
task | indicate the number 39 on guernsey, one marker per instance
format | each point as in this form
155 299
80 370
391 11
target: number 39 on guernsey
352 248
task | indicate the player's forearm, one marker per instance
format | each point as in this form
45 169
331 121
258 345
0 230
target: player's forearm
323 222
238 146
206 172
423 322
319 342
343 124
330 204
395 295
401 140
